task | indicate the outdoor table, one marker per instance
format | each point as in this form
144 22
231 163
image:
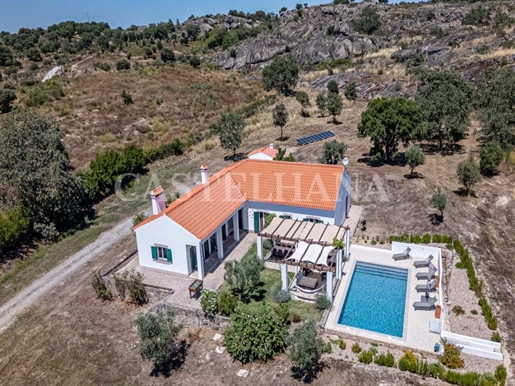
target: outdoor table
196 287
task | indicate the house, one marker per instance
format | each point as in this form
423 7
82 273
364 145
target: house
201 224
266 153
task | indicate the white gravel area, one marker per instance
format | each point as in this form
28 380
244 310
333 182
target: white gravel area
461 295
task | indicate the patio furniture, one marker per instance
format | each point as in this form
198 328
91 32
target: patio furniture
423 263
196 288
430 286
402 256
308 282
424 305
430 274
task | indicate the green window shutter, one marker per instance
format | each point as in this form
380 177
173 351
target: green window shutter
154 253
169 255
256 222
320 221
281 216
306 219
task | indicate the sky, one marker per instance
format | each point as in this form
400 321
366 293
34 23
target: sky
15 14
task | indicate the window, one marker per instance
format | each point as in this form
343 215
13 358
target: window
285 216
313 220
160 253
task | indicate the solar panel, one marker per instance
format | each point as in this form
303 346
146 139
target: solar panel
315 138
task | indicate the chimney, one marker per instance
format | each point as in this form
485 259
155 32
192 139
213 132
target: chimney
204 174
158 200
271 146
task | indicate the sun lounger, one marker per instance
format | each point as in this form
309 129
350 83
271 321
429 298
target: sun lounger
425 306
430 274
430 286
423 263
403 255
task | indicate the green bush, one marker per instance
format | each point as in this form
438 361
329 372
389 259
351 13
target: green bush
15 226
501 374
209 302
227 303
174 148
306 349
356 349
474 312
368 22
437 370
246 338
366 357
460 265
490 157
123 65
451 357
322 302
342 344
496 337
426 239
422 368
387 360
437 239
408 362
140 217
281 296
328 348
458 310
283 312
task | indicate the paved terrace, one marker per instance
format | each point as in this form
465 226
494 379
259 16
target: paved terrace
416 333
179 283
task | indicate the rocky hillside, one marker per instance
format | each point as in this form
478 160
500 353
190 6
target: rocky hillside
468 37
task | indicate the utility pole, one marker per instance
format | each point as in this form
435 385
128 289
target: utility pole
88 16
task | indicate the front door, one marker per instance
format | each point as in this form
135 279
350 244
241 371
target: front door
193 258
256 222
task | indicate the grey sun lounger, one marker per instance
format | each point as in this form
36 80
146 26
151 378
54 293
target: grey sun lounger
430 274
429 287
423 263
425 306
403 255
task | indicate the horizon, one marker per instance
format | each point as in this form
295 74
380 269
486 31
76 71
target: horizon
16 14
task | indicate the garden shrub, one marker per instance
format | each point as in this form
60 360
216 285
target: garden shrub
296 318
283 312
281 296
451 357
422 368
322 302
356 349
501 374
328 348
387 360
342 344
209 302
100 288
415 239
366 357
426 239
437 370
496 337
306 349
408 362
460 265
437 239
458 310
247 339
137 292
227 303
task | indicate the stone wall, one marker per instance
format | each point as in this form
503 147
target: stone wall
195 318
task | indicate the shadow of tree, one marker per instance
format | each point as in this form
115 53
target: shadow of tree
308 375
235 158
435 218
174 363
414 175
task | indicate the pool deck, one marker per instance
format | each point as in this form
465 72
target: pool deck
416 333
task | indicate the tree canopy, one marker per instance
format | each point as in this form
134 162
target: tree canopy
280 116
230 130
445 101
303 98
282 75
243 276
334 104
388 121
468 174
350 91
34 173
368 22
414 157
306 349
490 157
439 201
334 152
255 334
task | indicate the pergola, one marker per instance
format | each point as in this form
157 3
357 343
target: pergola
313 243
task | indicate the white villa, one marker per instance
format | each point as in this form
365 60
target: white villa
192 234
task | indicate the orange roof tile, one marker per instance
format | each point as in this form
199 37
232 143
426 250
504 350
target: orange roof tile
157 191
206 206
265 150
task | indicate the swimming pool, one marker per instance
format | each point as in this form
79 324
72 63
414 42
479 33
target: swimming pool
376 299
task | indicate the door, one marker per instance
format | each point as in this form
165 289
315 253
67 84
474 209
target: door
256 222
193 258
206 249
224 231
240 219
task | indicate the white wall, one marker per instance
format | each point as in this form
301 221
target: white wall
475 346
261 156
165 232
417 250
341 211
296 213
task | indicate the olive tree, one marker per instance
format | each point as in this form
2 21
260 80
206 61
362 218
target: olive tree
334 152
244 276
230 129
468 174
321 102
280 117
439 201
490 157
159 339
306 349
414 157
334 104
303 98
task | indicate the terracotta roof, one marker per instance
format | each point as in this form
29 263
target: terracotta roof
157 191
206 206
265 150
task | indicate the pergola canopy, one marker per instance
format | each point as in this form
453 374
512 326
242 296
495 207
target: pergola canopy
309 232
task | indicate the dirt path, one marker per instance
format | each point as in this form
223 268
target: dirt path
29 295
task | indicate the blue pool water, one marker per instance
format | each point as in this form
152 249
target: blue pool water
376 299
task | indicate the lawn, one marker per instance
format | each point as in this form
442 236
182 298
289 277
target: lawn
271 278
